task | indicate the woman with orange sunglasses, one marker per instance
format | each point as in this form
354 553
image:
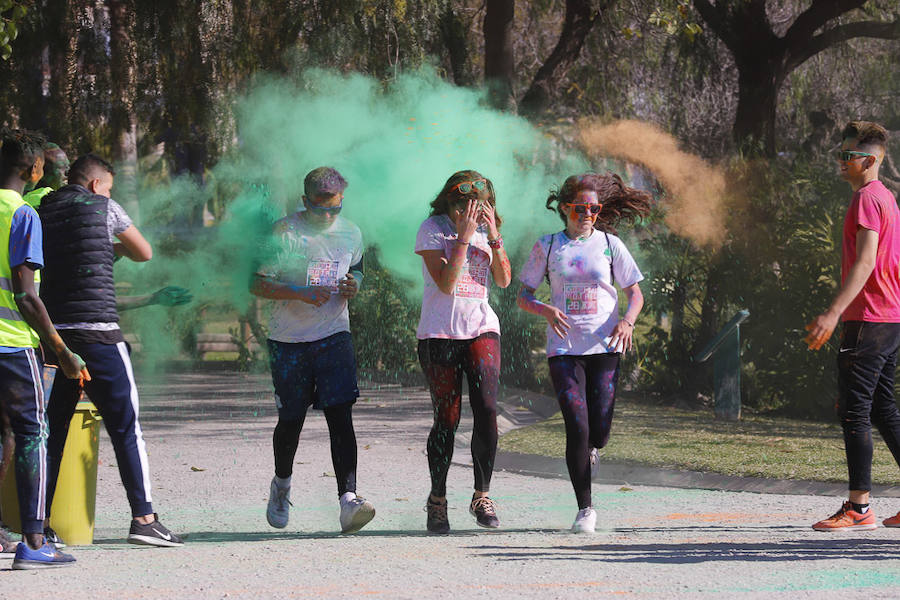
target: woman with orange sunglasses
459 332
585 335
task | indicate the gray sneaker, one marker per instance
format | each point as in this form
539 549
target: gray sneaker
278 511
153 534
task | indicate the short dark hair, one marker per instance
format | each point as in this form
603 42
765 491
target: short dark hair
20 149
866 133
88 167
323 181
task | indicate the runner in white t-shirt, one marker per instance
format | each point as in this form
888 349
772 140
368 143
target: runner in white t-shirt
459 333
585 335
317 270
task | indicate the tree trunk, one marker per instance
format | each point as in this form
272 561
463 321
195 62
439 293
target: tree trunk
62 41
754 123
580 19
453 34
764 59
123 121
499 62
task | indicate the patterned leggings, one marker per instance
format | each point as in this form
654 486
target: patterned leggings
444 362
586 391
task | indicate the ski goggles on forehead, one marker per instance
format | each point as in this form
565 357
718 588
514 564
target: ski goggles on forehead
575 210
464 187
848 155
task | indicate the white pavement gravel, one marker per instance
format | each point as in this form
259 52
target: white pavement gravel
652 542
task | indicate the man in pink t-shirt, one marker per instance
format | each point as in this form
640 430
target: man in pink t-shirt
868 303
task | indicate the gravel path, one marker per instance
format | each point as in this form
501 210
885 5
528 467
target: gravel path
652 542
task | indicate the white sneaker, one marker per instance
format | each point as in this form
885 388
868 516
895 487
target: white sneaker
279 507
585 521
355 513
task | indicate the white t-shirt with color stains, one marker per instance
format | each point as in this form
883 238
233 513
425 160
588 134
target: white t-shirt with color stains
581 286
311 257
465 314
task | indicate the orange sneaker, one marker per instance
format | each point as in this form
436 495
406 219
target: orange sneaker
848 519
892 521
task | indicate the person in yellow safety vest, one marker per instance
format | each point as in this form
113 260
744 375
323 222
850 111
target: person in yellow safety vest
24 323
56 165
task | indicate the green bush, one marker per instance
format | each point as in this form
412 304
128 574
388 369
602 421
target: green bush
781 261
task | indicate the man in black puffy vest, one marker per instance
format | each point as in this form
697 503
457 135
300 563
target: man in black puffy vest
84 230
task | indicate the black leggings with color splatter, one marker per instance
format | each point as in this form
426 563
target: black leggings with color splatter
444 362
586 391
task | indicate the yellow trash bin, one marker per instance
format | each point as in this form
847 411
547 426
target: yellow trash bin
74 502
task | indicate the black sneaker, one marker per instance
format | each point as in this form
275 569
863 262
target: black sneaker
154 534
484 511
52 538
437 521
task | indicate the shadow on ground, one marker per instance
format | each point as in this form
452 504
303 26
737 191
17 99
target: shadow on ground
700 552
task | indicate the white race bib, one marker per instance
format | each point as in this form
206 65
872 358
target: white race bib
322 273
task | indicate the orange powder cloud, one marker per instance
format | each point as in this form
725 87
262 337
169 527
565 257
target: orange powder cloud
695 189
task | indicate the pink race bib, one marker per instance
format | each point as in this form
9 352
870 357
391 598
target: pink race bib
581 298
472 283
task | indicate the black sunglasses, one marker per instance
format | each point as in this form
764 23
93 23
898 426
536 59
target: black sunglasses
848 155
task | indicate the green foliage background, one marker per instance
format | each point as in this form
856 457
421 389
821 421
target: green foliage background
648 60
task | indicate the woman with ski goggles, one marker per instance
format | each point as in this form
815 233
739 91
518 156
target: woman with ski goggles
459 333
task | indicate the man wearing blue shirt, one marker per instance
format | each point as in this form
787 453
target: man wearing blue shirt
24 323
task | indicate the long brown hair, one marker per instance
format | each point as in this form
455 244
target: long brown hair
619 201
441 204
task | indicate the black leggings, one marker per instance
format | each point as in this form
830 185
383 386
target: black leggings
866 364
586 391
343 445
444 362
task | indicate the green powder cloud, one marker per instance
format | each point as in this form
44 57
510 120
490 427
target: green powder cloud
395 143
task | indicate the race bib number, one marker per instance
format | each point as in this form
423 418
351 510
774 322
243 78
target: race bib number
472 283
322 273
581 298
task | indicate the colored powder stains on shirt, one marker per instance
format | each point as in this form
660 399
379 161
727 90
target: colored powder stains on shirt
581 285
312 258
578 264
464 314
